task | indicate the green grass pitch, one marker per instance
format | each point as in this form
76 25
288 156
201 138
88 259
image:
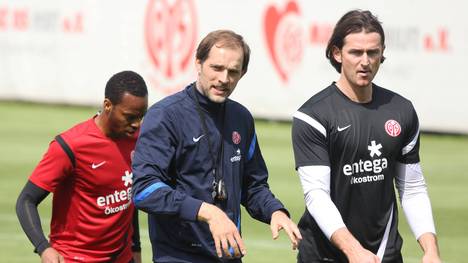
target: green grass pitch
26 130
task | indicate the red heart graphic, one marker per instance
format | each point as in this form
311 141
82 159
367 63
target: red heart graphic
272 20
171 33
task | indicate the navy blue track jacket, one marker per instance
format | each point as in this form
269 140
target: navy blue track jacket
172 173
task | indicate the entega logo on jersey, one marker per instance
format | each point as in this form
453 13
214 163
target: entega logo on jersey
375 167
117 197
237 157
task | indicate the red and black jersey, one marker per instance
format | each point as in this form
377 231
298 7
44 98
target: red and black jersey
92 209
362 144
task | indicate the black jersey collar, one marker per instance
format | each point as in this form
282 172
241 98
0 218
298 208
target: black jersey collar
374 90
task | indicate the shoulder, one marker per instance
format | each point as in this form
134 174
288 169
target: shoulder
392 99
171 102
170 106
320 100
319 106
79 133
239 114
238 108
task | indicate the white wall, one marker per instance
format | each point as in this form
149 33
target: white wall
64 51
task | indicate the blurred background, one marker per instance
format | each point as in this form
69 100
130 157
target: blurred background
56 56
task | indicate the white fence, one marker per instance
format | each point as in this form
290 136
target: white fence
64 51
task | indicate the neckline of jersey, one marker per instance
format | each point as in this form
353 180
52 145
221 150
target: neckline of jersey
346 98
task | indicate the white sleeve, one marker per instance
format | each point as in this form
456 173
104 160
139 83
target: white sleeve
315 182
414 198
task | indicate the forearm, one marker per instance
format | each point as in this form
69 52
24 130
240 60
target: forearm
260 203
346 242
158 198
414 199
28 215
257 197
136 245
315 181
428 243
350 246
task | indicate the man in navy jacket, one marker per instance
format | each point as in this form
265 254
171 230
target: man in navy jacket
197 160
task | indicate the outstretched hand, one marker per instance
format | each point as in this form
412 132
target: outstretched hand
225 234
279 220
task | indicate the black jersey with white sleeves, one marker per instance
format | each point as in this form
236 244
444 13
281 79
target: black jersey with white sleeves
362 144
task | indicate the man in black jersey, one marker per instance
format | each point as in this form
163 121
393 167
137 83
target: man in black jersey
351 142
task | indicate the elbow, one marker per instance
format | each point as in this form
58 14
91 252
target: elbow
143 196
137 203
137 198
21 203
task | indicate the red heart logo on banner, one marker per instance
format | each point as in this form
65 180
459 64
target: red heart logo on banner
285 49
171 32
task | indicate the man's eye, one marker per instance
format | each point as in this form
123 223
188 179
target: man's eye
373 53
131 118
234 72
356 52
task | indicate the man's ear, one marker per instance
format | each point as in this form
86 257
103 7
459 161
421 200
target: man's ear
198 66
383 57
107 106
336 54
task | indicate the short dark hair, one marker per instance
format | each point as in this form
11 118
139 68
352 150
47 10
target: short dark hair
125 82
223 38
353 21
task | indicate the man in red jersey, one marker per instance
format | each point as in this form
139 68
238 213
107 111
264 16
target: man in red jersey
88 169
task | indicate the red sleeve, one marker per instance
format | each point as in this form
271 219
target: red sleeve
52 169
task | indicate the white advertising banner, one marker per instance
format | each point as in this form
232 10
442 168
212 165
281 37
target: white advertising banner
64 51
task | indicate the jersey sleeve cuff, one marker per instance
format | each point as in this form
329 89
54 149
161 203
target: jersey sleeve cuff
189 208
41 247
41 185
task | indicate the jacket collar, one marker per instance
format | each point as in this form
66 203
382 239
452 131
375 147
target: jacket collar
205 103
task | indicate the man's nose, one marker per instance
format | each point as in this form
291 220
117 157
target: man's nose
365 60
223 76
136 124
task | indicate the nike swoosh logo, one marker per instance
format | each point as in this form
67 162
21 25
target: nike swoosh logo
344 128
198 138
94 166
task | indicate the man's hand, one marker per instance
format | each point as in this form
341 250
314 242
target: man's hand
136 257
362 256
431 258
225 233
279 220
354 251
50 255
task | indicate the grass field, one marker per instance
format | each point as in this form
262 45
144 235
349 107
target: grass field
26 130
